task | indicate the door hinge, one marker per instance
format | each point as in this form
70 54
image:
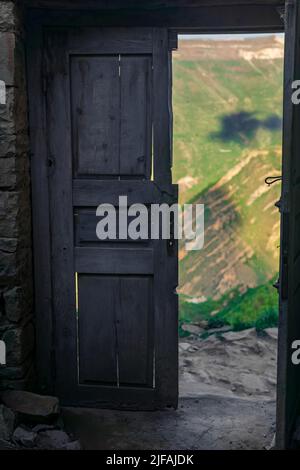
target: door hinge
278 204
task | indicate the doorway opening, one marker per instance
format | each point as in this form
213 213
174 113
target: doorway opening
227 104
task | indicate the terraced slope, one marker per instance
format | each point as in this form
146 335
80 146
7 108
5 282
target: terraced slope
227 140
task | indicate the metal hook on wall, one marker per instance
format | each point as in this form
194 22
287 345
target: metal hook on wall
272 179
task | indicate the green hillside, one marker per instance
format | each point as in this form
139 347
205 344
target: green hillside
227 99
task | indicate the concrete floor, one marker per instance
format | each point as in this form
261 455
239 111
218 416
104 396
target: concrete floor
206 422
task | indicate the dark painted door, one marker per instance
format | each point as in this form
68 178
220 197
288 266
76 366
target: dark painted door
289 327
115 310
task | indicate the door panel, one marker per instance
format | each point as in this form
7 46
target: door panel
114 302
96 329
289 321
110 135
115 322
135 324
136 122
95 96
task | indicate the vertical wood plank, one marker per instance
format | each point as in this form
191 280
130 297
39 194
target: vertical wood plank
96 114
61 214
288 380
135 331
136 122
166 263
166 322
162 110
97 329
40 210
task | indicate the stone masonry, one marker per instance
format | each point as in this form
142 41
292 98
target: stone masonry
16 325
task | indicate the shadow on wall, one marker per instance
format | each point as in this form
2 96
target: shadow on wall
243 125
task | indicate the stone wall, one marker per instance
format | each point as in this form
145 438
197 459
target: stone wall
16 325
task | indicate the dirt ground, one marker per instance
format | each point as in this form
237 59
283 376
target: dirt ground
204 423
232 364
227 401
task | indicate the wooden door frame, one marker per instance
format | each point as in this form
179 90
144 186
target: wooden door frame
233 18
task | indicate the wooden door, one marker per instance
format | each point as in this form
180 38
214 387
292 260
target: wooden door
115 312
289 325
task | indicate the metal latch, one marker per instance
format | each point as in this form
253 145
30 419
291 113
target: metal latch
278 204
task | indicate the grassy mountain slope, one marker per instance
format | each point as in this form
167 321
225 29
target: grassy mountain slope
227 138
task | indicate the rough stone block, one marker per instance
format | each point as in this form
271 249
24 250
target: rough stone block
15 205
14 304
8 173
24 437
50 440
8 16
7 422
15 216
8 244
9 212
8 247
16 373
14 171
13 144
7 57
13 115
7 445
28 382
19 344
16 269
8 265
7 120
31 406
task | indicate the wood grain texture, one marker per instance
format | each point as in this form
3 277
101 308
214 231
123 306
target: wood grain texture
127 306
136 119
147 4
86 221
288 388
135 325
40 212
96 115
114 260
94 192
221 18
111 109
162 109
61 214
97 329
104 40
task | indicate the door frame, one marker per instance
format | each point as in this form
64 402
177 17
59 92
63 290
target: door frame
234 18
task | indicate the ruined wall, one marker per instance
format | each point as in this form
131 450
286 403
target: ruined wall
16 326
